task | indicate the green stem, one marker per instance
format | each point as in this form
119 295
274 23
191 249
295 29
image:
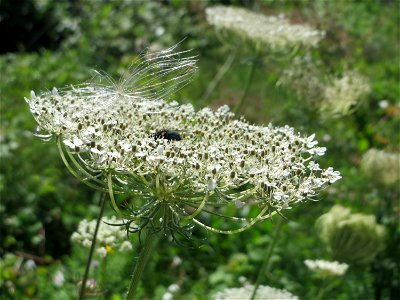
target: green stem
151 239
221 72
322 290
248 84
103 276
265 265
89 260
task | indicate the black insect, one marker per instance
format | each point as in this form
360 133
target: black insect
168 135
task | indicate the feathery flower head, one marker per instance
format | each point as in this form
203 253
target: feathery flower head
351 238
382 166
341 95
273 31
263 293
109 237
304 77
173 162
333 96
327 268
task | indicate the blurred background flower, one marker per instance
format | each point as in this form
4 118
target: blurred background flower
351 238
273 32
263 293
382 166
326 268
111 238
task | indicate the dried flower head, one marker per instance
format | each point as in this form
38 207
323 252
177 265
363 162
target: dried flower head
263 293
382 166
276 32
327 268
305 78
110 238
351 238
342 95
174 164
332 96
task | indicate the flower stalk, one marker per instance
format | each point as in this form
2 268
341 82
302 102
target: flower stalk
265 265
150 241
248 85
322 289
221 72
89 260
103 274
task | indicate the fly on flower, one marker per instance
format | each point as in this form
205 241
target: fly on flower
167 134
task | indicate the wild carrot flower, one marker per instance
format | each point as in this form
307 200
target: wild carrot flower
110 238
275 32
305 78
171 163
351 238
263 293
328 268
59 278
171 291
342 95
332 96
382 166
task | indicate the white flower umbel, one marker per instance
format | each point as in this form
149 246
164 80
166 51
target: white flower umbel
263 293
174 163
109 237
382 166
332 96
59 278
276 32
328 268
304 76
342 94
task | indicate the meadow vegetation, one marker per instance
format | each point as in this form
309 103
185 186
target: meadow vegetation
329 68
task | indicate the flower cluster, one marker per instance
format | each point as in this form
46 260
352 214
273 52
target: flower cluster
109 237
263 293
333 96
171 291
351 238
327 268
59 278
276 32
382 166
342 94
173 161
305 78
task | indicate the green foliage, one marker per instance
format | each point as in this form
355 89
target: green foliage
41 203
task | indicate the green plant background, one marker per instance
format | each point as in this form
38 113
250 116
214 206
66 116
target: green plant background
41 203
